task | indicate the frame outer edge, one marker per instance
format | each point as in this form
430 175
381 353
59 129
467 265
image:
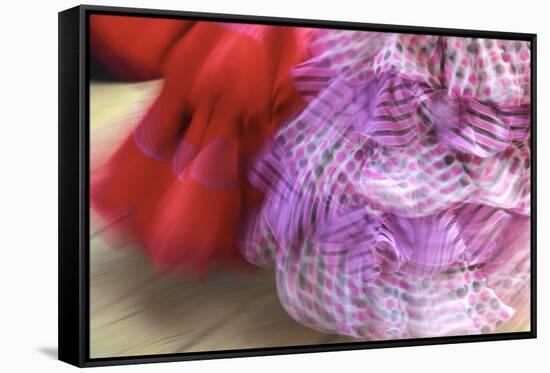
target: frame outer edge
74 343
534 125
70 250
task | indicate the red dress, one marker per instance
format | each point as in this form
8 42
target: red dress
181 175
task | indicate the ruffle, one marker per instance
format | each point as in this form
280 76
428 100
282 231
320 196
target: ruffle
324 287
433 150
394 158
495 71
455 302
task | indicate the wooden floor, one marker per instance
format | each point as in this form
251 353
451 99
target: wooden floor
136 310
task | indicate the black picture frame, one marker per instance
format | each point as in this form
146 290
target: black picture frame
73 250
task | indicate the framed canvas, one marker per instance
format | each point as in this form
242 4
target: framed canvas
235 186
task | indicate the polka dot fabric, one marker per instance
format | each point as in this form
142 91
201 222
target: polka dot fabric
397 202
491 70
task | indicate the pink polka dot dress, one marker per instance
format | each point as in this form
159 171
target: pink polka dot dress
398 201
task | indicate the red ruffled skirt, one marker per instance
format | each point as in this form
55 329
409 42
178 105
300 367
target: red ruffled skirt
179 179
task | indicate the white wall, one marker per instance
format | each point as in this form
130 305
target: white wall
28 182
